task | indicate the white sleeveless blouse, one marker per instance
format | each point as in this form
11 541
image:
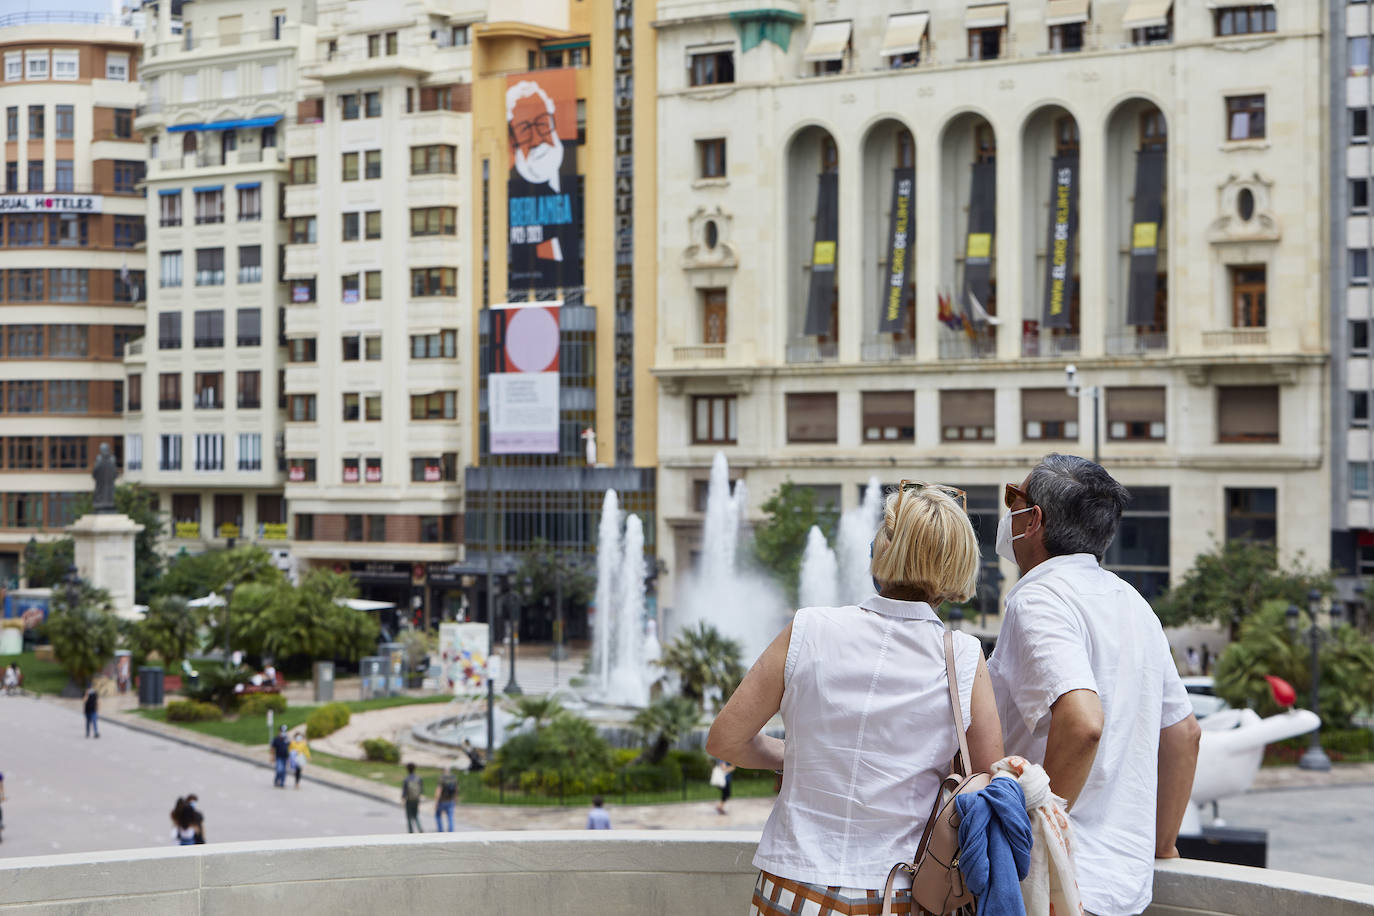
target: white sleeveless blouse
869 736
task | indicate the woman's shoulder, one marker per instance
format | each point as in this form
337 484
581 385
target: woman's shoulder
965 643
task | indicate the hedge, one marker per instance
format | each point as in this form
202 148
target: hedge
193 711
257 704
382 750
326 720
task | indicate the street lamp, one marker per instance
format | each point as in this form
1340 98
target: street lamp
956 617
1314 758
228 603
513 622
1073 389
559 651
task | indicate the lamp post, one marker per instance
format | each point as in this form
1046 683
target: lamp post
1073 389
559 651
228 604
513 621
1314 758
956 617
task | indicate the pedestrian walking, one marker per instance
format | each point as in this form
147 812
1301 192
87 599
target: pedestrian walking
1206 659
597 818
1194 661
412 790
445 797
722 777
92 707
188 824
299 752
11 679
281 754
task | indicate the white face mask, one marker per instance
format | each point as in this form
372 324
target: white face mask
1005 537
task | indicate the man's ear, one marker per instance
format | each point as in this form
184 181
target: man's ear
1036 523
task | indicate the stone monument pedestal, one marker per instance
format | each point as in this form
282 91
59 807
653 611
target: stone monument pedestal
105 555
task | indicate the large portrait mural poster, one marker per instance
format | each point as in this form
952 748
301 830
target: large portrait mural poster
545 210
522 385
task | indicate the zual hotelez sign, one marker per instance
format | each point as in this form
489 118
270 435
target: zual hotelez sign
51 203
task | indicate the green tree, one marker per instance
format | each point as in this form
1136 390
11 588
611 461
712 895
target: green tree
298 624
702 659
1229 583
140 505
170 628
46 562
1269 645
83 631
780 540
663 723
546 570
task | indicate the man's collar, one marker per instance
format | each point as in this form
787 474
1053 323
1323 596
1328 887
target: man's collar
1063 561
891 607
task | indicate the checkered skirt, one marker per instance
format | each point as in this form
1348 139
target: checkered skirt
774 896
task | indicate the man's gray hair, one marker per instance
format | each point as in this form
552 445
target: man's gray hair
1081 504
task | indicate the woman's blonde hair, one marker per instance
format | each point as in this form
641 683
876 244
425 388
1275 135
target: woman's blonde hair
926 543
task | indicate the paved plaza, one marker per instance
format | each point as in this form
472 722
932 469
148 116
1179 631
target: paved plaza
73 794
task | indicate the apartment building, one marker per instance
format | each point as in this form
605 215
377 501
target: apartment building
72 261
887 234
205 426
1352 296
564 206
377 325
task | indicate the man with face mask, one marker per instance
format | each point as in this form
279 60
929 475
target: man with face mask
1086 685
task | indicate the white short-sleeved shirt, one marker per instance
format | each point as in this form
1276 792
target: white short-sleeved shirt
1072 625
870 734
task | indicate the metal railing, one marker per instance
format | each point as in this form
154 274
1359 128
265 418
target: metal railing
810 351
1048 345
963 347
877 350
1131 342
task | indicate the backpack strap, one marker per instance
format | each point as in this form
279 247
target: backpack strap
965 764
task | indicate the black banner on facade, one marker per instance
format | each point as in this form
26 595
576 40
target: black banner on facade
982 225
1145 220
1059 247
893 315
821 296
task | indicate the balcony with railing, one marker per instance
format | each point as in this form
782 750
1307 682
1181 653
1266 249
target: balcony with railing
810 350
1048 344
957 345
1138 343
885 348
691 353
1225 338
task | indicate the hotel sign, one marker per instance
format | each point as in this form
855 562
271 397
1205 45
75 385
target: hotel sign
52 203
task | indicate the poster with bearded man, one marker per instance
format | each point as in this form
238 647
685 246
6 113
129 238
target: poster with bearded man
545 210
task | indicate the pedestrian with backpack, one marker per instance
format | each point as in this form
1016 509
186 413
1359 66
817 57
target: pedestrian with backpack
412 790
445 797
281 755
876 700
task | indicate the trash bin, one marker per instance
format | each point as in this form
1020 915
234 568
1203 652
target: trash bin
324 682
150 686
372 673
394 656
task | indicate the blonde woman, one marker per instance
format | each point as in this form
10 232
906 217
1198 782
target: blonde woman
865 704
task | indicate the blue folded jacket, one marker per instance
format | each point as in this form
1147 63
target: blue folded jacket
995 846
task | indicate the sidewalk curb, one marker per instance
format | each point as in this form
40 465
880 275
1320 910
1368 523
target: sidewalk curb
131 721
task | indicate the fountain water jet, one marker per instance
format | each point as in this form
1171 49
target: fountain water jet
628 684
853 544
608 559
819 571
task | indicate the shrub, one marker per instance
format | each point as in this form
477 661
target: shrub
193 711
326 720
382 750
695 765
568 751
257 704
216 684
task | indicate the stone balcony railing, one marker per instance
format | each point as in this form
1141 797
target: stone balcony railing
1235 337
573 873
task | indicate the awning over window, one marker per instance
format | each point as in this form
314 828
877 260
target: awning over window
904 33
1067 12
208 188
987 16
236 124
1148 14
169 192
829 40
248 185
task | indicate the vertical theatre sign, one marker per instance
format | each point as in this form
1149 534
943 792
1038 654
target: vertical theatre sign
893 317
545 252
1063 226
522 382
623 67
982 224
1145 219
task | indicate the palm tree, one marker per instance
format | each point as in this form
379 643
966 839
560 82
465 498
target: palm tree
702 658
83 631
663 724
540 710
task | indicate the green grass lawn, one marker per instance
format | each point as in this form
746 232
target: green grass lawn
253 729
39 677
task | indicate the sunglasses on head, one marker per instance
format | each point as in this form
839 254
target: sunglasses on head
1013 493
916 486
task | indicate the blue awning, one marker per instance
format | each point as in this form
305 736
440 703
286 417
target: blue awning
207 188
235 124
169 192
248 185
